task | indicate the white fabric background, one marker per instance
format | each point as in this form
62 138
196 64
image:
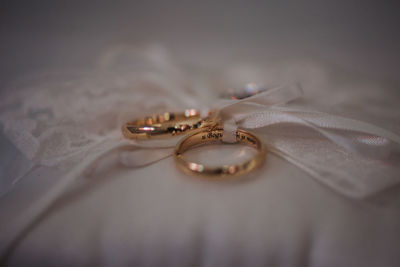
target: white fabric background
155 215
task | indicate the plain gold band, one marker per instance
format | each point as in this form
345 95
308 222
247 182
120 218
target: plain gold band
165 125
212 135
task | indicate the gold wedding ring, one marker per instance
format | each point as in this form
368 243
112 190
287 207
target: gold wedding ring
212 135
167 124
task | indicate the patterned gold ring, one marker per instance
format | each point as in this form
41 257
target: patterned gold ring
166 125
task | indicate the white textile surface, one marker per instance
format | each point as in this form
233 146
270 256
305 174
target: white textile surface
68 199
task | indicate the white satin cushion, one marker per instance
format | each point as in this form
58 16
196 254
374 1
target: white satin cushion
157 216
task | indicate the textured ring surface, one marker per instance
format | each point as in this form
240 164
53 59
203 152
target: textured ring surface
165 125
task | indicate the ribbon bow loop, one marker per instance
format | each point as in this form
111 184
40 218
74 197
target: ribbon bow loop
235 112
266 109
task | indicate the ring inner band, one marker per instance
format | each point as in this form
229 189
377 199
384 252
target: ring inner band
213 136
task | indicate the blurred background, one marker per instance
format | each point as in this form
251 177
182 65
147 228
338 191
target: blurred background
359 36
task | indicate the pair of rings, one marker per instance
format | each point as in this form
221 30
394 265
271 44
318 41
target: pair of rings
202 131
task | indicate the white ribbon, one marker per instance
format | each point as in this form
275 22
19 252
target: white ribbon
262 110
361 140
